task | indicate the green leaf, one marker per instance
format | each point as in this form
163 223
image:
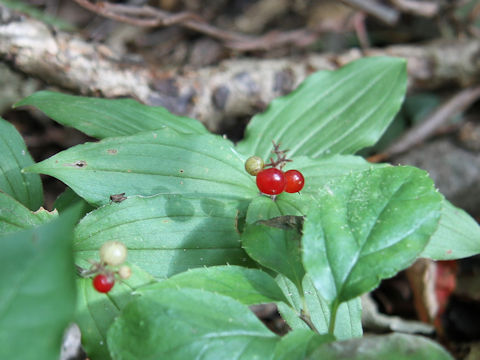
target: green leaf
321 172
332 112
164 234
248 286
263 208
276 249
26 188
348 323
290 311
103 118
349 314
14 216
96 311
318 173
298 344
68 199
392 347
162 161
368 227
37 289
189 324
457 235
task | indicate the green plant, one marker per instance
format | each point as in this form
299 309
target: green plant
203 244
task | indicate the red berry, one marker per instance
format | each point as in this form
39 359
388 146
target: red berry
271 181
103 283
295 181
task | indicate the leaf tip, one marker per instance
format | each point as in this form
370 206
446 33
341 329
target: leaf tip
30 169
22 102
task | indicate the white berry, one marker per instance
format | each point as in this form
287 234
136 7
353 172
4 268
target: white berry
113 253
125 272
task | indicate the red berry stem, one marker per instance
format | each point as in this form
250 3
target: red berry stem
281 157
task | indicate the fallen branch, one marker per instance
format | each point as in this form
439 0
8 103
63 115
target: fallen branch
415 7
233 88
383 13
417 134
148 16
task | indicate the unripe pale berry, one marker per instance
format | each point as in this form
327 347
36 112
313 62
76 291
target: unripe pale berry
113 253
254 165
125 272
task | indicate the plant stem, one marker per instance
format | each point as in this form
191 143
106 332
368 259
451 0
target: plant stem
333 317
307 320
305 314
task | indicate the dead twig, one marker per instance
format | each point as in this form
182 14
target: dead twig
421 8
456 104
383 13
299 38
147 16
361 30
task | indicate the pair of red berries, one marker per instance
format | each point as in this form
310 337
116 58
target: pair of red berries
273 181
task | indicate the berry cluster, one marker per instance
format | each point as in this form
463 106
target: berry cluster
271 180
112 255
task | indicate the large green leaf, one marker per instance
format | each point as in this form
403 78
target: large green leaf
248 286
189 324
26 188
349 314
96 311
164 234
332 112
162 161
103 118
14 216
277 249
37 289
298 344
391 347
322 171
457 235
367 227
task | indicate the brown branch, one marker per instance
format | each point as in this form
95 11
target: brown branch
383 13
421 8
456 104
299 38
147 16
234 88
